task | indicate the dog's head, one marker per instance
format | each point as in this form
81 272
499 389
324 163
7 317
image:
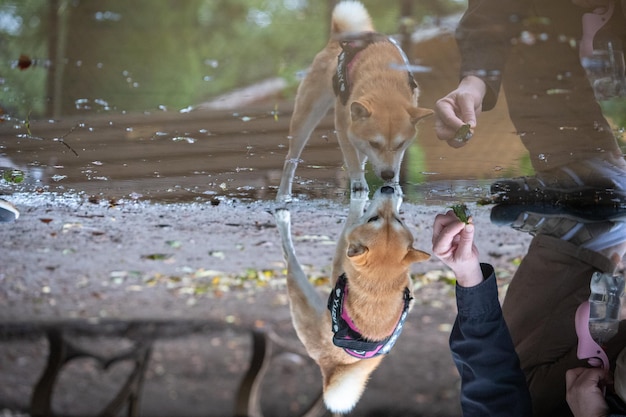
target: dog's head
383 129
380 239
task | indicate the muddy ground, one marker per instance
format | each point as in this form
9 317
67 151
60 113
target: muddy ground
70 260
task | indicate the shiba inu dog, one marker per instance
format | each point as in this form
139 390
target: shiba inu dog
366 76
348 334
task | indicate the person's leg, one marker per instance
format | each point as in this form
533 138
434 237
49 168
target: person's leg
570 143
553 106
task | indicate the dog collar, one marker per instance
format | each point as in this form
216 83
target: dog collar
350 48
347 335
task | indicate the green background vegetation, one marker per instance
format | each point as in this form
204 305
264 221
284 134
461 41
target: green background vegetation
141 54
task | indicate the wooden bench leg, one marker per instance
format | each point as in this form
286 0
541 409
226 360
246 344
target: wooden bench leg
62 351
248 400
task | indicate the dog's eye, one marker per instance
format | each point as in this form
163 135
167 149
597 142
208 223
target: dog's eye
375 145
372 219
398 220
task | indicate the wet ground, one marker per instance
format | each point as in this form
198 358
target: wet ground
73 261
205 155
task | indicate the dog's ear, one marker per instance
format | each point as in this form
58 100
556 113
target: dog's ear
415 255
359 111
357 252
419 113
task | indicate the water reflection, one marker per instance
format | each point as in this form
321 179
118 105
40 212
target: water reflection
161 157
152 90
133 117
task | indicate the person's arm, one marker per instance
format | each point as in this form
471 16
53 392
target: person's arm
492 383
484 37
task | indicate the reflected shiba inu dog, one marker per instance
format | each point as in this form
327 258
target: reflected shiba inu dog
348 334
366 76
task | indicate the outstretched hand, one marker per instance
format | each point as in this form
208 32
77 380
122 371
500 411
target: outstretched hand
460 107
453 244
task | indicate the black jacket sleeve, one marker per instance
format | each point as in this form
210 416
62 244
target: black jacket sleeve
484 36
492 383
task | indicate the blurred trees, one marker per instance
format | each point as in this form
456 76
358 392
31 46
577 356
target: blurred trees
22 25
116 55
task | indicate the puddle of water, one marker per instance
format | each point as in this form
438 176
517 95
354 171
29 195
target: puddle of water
208 155
142 120
103 103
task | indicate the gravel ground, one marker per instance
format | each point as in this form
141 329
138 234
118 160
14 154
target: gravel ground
70 260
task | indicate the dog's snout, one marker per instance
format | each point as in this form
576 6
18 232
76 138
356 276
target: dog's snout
387 174
386 190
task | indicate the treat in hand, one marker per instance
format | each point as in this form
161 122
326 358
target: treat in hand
460 210
464 133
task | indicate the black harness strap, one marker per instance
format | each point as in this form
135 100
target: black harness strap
350 47
347 337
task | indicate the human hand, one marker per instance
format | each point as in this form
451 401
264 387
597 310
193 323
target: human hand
453 244
458 108
584 392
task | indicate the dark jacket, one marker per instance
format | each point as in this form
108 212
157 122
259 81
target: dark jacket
492 383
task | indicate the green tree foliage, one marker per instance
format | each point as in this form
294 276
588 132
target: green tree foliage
21 26
615 111
121 55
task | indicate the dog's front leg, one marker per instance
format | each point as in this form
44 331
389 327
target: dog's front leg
358 183
307 306
354 162
312 104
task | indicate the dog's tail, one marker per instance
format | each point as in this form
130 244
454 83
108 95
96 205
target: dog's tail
344 385
350 17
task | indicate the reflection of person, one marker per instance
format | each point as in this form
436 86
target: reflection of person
531 48
492 382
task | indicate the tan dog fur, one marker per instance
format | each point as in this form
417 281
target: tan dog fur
375 251
379 120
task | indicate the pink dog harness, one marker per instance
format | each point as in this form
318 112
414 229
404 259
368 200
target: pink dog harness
347 335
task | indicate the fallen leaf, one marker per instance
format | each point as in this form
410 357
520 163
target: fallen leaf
13 176
157 256
460 210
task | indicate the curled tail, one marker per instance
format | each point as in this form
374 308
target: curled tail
349 17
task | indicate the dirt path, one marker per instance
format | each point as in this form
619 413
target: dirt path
69 259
